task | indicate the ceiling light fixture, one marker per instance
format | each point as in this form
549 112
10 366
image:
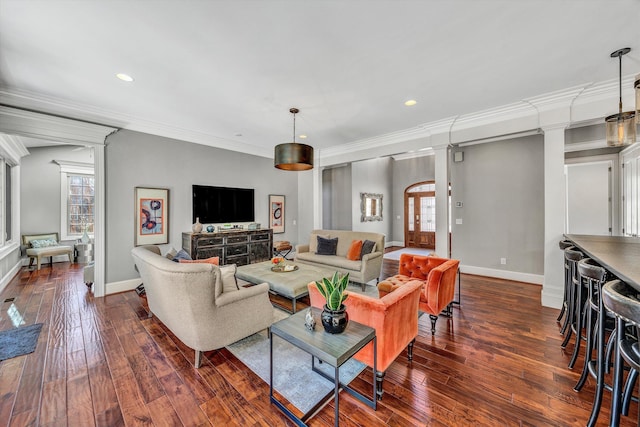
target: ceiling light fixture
636 85
292 156
621 127
410 103
124 77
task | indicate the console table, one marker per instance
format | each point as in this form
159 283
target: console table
332 349
240 247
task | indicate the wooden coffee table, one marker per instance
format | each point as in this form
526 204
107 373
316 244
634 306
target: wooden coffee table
329 348
291 285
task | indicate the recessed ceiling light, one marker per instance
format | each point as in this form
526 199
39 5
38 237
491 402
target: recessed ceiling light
303 136
124 77
410 102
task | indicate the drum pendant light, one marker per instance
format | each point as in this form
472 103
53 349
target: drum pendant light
621 127
292 156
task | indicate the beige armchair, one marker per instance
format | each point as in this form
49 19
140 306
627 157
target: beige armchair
188 299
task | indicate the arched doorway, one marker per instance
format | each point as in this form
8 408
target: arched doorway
420 215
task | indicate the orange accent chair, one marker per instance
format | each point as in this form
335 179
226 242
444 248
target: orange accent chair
394 317
438 276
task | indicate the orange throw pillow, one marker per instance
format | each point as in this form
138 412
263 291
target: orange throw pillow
354 250
213 260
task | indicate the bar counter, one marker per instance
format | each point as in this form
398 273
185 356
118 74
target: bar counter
620 255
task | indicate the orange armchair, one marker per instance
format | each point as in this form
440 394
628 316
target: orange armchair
438 276
393 317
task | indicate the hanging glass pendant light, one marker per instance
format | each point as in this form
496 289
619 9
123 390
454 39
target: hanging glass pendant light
293 156
621 127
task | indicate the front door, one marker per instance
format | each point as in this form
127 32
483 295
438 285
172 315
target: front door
420 216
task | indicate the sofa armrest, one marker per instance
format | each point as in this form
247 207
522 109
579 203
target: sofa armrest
227 298
385 288
302 248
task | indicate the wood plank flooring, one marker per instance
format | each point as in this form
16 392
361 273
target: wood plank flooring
103 362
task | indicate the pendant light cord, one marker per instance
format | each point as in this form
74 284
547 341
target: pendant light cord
294 118
619 79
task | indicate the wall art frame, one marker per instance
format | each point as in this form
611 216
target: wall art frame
151 215
276 213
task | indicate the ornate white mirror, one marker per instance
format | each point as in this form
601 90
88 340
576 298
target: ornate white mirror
370 207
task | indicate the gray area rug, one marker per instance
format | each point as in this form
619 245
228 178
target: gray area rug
19 341
293 377
395 255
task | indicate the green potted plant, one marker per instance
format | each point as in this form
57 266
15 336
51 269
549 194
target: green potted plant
334 314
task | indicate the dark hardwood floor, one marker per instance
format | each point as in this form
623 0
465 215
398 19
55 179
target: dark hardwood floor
101 361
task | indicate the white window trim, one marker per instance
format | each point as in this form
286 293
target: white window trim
67 168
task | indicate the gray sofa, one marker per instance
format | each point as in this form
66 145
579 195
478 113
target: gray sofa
188 299
360 271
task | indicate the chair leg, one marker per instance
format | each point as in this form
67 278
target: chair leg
198 359
30 261
433 323
410 349
379 379
38 262
628 391
363 286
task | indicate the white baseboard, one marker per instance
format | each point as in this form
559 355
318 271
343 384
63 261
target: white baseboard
536 279
10 274
123 286
552 297
394 243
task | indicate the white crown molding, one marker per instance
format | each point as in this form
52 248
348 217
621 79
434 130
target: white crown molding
44 126
25 99
12 148
414 154
531 107
583 146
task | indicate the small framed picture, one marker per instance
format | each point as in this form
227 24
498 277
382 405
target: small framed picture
151 216
276 213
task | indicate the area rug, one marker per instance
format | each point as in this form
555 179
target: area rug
18 341
395 255
293 377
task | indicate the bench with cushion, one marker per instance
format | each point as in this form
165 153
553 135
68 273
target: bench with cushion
44 245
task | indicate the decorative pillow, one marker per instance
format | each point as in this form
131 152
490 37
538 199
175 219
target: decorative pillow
327 246
43 243
213 260
313 242
171 253
355 250
182 254
228 277
368 246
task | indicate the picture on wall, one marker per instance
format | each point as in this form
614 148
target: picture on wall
151 216
276 213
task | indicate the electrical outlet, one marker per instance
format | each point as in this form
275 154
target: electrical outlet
503 261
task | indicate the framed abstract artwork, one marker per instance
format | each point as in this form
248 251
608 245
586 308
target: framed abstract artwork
276 213
151 216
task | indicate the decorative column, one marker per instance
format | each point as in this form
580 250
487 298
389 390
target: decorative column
442 200
554 215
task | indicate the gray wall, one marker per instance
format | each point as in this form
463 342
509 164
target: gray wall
406 173
40 186
136 159
372 176
336 198
501 185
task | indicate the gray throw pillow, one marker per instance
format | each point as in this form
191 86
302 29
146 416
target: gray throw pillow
228 276
367 247
327 246
182 254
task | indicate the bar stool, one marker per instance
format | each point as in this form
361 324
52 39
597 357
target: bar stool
622 300
593 276
575 304
564 244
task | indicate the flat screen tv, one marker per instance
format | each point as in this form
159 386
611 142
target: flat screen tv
222 204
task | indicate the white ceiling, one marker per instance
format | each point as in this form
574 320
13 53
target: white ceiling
225 73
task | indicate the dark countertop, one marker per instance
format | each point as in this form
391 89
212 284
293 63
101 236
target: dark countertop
620 255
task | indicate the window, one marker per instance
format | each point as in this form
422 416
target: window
77 199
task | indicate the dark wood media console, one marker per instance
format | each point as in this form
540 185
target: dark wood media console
239 247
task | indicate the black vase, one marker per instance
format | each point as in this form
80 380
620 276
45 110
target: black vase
334 321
